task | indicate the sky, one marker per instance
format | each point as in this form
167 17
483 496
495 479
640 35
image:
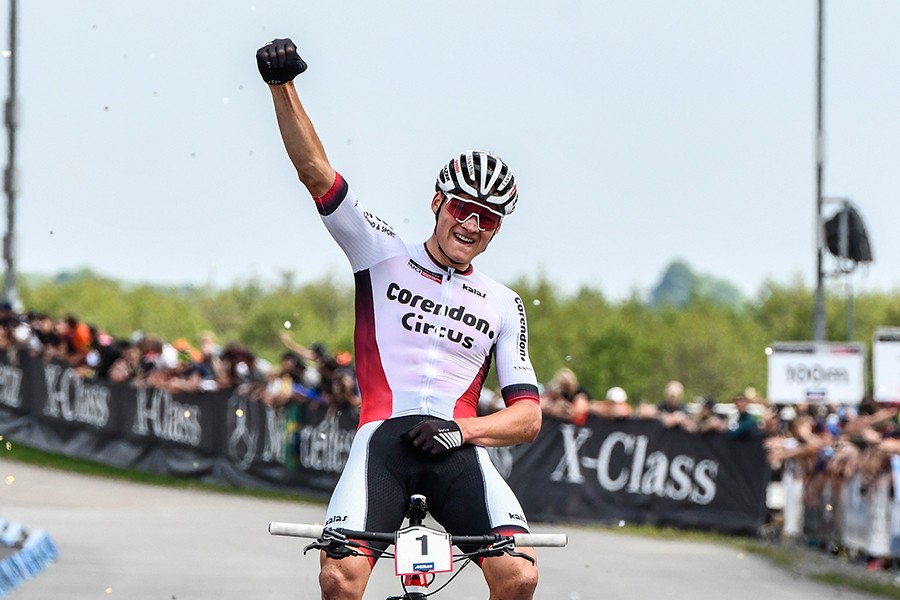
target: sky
640 132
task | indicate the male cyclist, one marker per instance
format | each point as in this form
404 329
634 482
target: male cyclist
428 326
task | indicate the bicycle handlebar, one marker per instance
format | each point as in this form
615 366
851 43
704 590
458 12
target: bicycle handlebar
296 530
544 540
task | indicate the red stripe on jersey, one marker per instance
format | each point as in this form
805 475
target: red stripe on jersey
519 392
377 398
467 404
328 202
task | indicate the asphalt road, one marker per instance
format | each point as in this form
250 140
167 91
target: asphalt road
130 541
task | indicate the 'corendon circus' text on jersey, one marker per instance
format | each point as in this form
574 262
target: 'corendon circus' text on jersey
425 335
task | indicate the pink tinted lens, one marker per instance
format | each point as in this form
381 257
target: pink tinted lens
462 210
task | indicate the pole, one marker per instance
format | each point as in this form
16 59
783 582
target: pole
10 293
819 332
851 317
844 250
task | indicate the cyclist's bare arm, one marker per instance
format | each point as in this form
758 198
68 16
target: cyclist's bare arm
301 141
515 424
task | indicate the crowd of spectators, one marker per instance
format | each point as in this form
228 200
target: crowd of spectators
144 359
822 447
563 397
823 440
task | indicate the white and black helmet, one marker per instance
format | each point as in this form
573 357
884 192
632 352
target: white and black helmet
483 176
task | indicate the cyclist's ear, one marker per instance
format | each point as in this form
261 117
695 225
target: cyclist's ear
436 202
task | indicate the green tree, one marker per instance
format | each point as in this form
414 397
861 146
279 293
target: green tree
713 344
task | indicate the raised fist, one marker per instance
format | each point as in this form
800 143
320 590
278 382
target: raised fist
278 61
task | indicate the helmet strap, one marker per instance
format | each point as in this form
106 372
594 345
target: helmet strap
449 260
437 214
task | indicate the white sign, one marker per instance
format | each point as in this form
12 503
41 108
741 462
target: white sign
422 550
819 373
886 365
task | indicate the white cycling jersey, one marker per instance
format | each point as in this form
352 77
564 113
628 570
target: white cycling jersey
425 335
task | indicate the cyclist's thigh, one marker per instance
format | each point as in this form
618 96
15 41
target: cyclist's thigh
473 497
370 495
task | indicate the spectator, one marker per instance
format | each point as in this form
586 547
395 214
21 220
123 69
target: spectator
614 406
7 342
564 398
320 366
707 419
744 424
78 338
210 365
344 391
240 367
150 367
299 349
104 352
327 367
287 383
42 326
671 411
185 374
128 363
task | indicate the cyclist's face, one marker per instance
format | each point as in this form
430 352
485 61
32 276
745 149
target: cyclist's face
458 242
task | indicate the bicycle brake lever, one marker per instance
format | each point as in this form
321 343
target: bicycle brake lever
505 545
333 548
334 544
527 557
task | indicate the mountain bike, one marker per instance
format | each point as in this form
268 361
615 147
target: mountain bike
419 551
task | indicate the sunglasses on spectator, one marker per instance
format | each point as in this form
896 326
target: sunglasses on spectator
463 209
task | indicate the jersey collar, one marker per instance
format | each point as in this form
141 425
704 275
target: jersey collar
467 271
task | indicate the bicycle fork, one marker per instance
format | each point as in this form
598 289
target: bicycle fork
416 587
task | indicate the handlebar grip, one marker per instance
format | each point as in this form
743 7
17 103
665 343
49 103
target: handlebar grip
555 540
296 530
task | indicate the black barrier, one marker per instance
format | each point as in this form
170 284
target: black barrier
219 437
606 471
639 471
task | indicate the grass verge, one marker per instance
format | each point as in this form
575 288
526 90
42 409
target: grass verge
18 452
855 583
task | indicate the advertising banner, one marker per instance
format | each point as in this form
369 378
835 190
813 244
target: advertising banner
886 364
639 471
819 373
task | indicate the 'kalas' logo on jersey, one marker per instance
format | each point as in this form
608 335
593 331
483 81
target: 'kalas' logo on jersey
468 288
417 322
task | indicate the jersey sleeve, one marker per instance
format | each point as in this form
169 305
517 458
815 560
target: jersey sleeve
364 238
514 371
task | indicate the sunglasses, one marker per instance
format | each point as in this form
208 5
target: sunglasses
462 210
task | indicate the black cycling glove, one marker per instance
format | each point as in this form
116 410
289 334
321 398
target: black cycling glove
434 436
279 62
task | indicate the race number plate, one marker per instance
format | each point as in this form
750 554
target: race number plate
422 550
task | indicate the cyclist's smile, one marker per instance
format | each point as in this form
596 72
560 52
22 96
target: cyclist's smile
455 243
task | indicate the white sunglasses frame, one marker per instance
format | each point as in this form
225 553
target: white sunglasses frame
449 195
